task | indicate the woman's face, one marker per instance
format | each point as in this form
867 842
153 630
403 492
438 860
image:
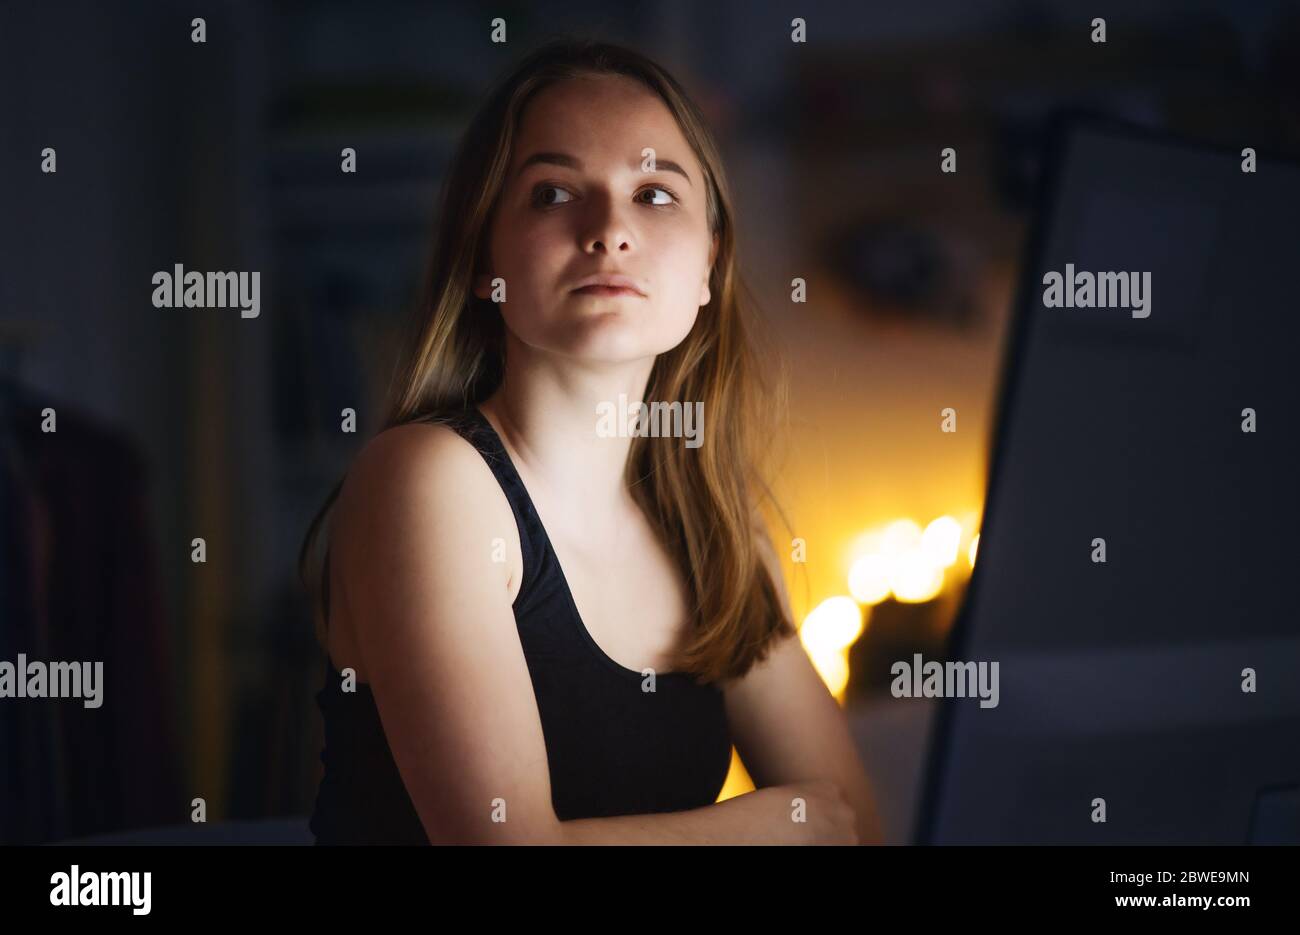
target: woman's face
577 202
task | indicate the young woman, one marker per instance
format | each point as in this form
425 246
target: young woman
540 630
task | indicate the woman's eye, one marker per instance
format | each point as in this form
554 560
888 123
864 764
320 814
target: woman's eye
659 188
561 196
539 195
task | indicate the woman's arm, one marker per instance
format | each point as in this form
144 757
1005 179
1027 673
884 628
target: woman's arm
764 816
788 727
433 624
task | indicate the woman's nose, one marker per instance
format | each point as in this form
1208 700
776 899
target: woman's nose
605 227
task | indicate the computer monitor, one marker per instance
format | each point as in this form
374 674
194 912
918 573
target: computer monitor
1153 697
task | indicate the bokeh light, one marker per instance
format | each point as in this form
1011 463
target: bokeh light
941 541
827 633
832 625
900 536
916 577
869 578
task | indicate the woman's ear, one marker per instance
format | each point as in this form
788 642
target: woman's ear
483 285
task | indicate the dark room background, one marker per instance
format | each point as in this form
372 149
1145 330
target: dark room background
224 155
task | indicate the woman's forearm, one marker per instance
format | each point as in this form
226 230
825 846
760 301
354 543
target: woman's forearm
753 818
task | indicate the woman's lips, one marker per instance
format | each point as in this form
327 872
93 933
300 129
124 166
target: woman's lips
607 290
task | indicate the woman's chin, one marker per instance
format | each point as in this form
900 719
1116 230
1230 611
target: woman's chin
611 335
613 345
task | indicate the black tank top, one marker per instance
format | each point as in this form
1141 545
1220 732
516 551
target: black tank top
611 748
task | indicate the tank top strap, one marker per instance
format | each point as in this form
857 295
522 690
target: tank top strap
474 427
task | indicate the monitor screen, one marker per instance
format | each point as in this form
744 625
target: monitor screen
1135 580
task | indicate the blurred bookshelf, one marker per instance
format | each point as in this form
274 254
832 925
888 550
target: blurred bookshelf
348 250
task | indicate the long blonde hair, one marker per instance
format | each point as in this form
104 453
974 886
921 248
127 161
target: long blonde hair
706 504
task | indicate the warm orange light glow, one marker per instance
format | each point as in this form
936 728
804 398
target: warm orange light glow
827 633
738 781
869 578
834 670
899 559
903 560
900 536
916 577
832 625
942 540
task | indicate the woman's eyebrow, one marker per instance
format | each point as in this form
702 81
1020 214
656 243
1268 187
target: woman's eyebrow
573 162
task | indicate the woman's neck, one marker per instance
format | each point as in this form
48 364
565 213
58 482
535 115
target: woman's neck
548 416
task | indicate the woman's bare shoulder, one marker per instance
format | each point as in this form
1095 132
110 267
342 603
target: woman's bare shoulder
411 449
423 481
418 501
416 460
